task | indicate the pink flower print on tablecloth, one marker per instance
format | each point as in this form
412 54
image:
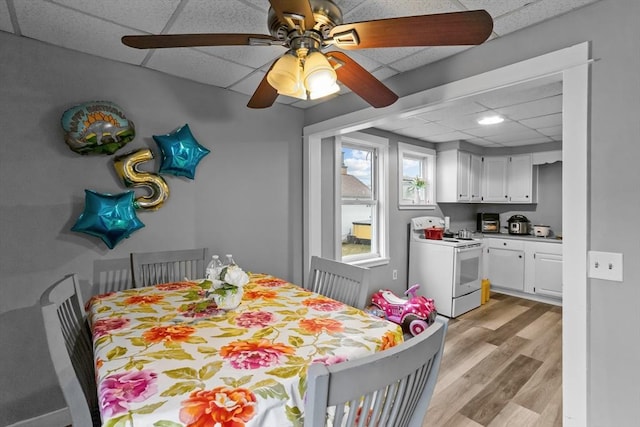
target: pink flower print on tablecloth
254 319
323 304
255 354
330 360
118 390
104 326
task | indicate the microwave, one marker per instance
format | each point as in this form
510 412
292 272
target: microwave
488 222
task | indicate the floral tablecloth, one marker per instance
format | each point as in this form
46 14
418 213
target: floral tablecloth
167 357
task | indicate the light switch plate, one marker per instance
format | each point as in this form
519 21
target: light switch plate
605 265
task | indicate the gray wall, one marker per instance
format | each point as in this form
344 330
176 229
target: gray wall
246 197
612 27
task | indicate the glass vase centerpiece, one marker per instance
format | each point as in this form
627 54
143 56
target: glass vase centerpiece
227 285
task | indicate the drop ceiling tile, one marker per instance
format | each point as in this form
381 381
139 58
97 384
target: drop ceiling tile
383 73
251 56
456 109
509 137
64 27
544 121
427 56
541 107
468 121
495 7
393 8
533 141
387 55
138 14
396 124
258 4
533 13
5 19
249 84
447 137
519 94
200 67
426 130
554 132
498 129
221 16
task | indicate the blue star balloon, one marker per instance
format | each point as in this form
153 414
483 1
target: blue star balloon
180 152
111 217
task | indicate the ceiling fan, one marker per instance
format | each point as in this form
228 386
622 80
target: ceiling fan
307 27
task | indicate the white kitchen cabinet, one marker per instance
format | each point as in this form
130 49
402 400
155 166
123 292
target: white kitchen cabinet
543 269
494 179
520 178
505 265
475 179
527 265
458 176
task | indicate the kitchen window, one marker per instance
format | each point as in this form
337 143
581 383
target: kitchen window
416 175
362 208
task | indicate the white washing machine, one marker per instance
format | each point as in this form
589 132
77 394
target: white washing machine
447 270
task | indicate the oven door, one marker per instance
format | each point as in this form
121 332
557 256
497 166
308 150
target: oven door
466 265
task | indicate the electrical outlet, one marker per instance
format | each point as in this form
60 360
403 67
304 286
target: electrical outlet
605 265
395 274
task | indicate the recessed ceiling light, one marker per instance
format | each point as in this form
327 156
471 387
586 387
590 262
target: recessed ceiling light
491 120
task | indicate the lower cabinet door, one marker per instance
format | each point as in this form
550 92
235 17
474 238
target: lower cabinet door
547 278
506 268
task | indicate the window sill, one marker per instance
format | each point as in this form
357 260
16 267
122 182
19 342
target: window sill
371 262
415 207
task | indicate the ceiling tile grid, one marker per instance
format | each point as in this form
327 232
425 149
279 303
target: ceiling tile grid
96 27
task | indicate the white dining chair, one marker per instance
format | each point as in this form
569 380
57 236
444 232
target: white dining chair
111 275
390 388
71 349
343 282
150 268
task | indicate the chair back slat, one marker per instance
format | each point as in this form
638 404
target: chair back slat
389 388
71 349
340 281
150 268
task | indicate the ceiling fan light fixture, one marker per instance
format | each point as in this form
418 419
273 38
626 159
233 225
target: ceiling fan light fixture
319 75
329 90
284 76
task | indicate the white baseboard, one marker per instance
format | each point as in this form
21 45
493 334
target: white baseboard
59 418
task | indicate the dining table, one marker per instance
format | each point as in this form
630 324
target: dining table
168 356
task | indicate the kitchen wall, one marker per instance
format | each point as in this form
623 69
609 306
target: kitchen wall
611 27
246 198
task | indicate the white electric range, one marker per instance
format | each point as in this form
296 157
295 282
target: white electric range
448 270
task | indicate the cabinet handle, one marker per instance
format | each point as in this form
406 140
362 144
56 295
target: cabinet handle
527 196
505 243
519 256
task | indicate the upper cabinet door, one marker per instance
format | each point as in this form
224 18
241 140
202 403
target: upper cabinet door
519 179
475 178
464 172
494 179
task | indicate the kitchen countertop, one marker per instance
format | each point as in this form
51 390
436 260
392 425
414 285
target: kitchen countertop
528 237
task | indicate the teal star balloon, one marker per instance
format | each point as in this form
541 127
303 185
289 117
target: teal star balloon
181 153
111 217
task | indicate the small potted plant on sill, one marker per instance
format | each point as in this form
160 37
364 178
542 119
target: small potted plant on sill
417 188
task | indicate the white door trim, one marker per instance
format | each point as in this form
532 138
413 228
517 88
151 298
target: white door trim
572 63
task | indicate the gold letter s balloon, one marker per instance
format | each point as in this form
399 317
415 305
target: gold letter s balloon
127 168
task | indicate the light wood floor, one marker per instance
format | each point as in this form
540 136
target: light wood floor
502 366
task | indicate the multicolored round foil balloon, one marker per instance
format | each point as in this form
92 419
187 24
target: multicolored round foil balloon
96 127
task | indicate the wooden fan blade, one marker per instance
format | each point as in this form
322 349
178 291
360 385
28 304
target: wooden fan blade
190 40
360 81
444 29
264 96
297 7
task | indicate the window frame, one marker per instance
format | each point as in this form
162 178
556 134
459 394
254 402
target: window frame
380 174
428 158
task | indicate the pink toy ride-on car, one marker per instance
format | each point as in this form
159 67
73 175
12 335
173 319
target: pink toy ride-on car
414 314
